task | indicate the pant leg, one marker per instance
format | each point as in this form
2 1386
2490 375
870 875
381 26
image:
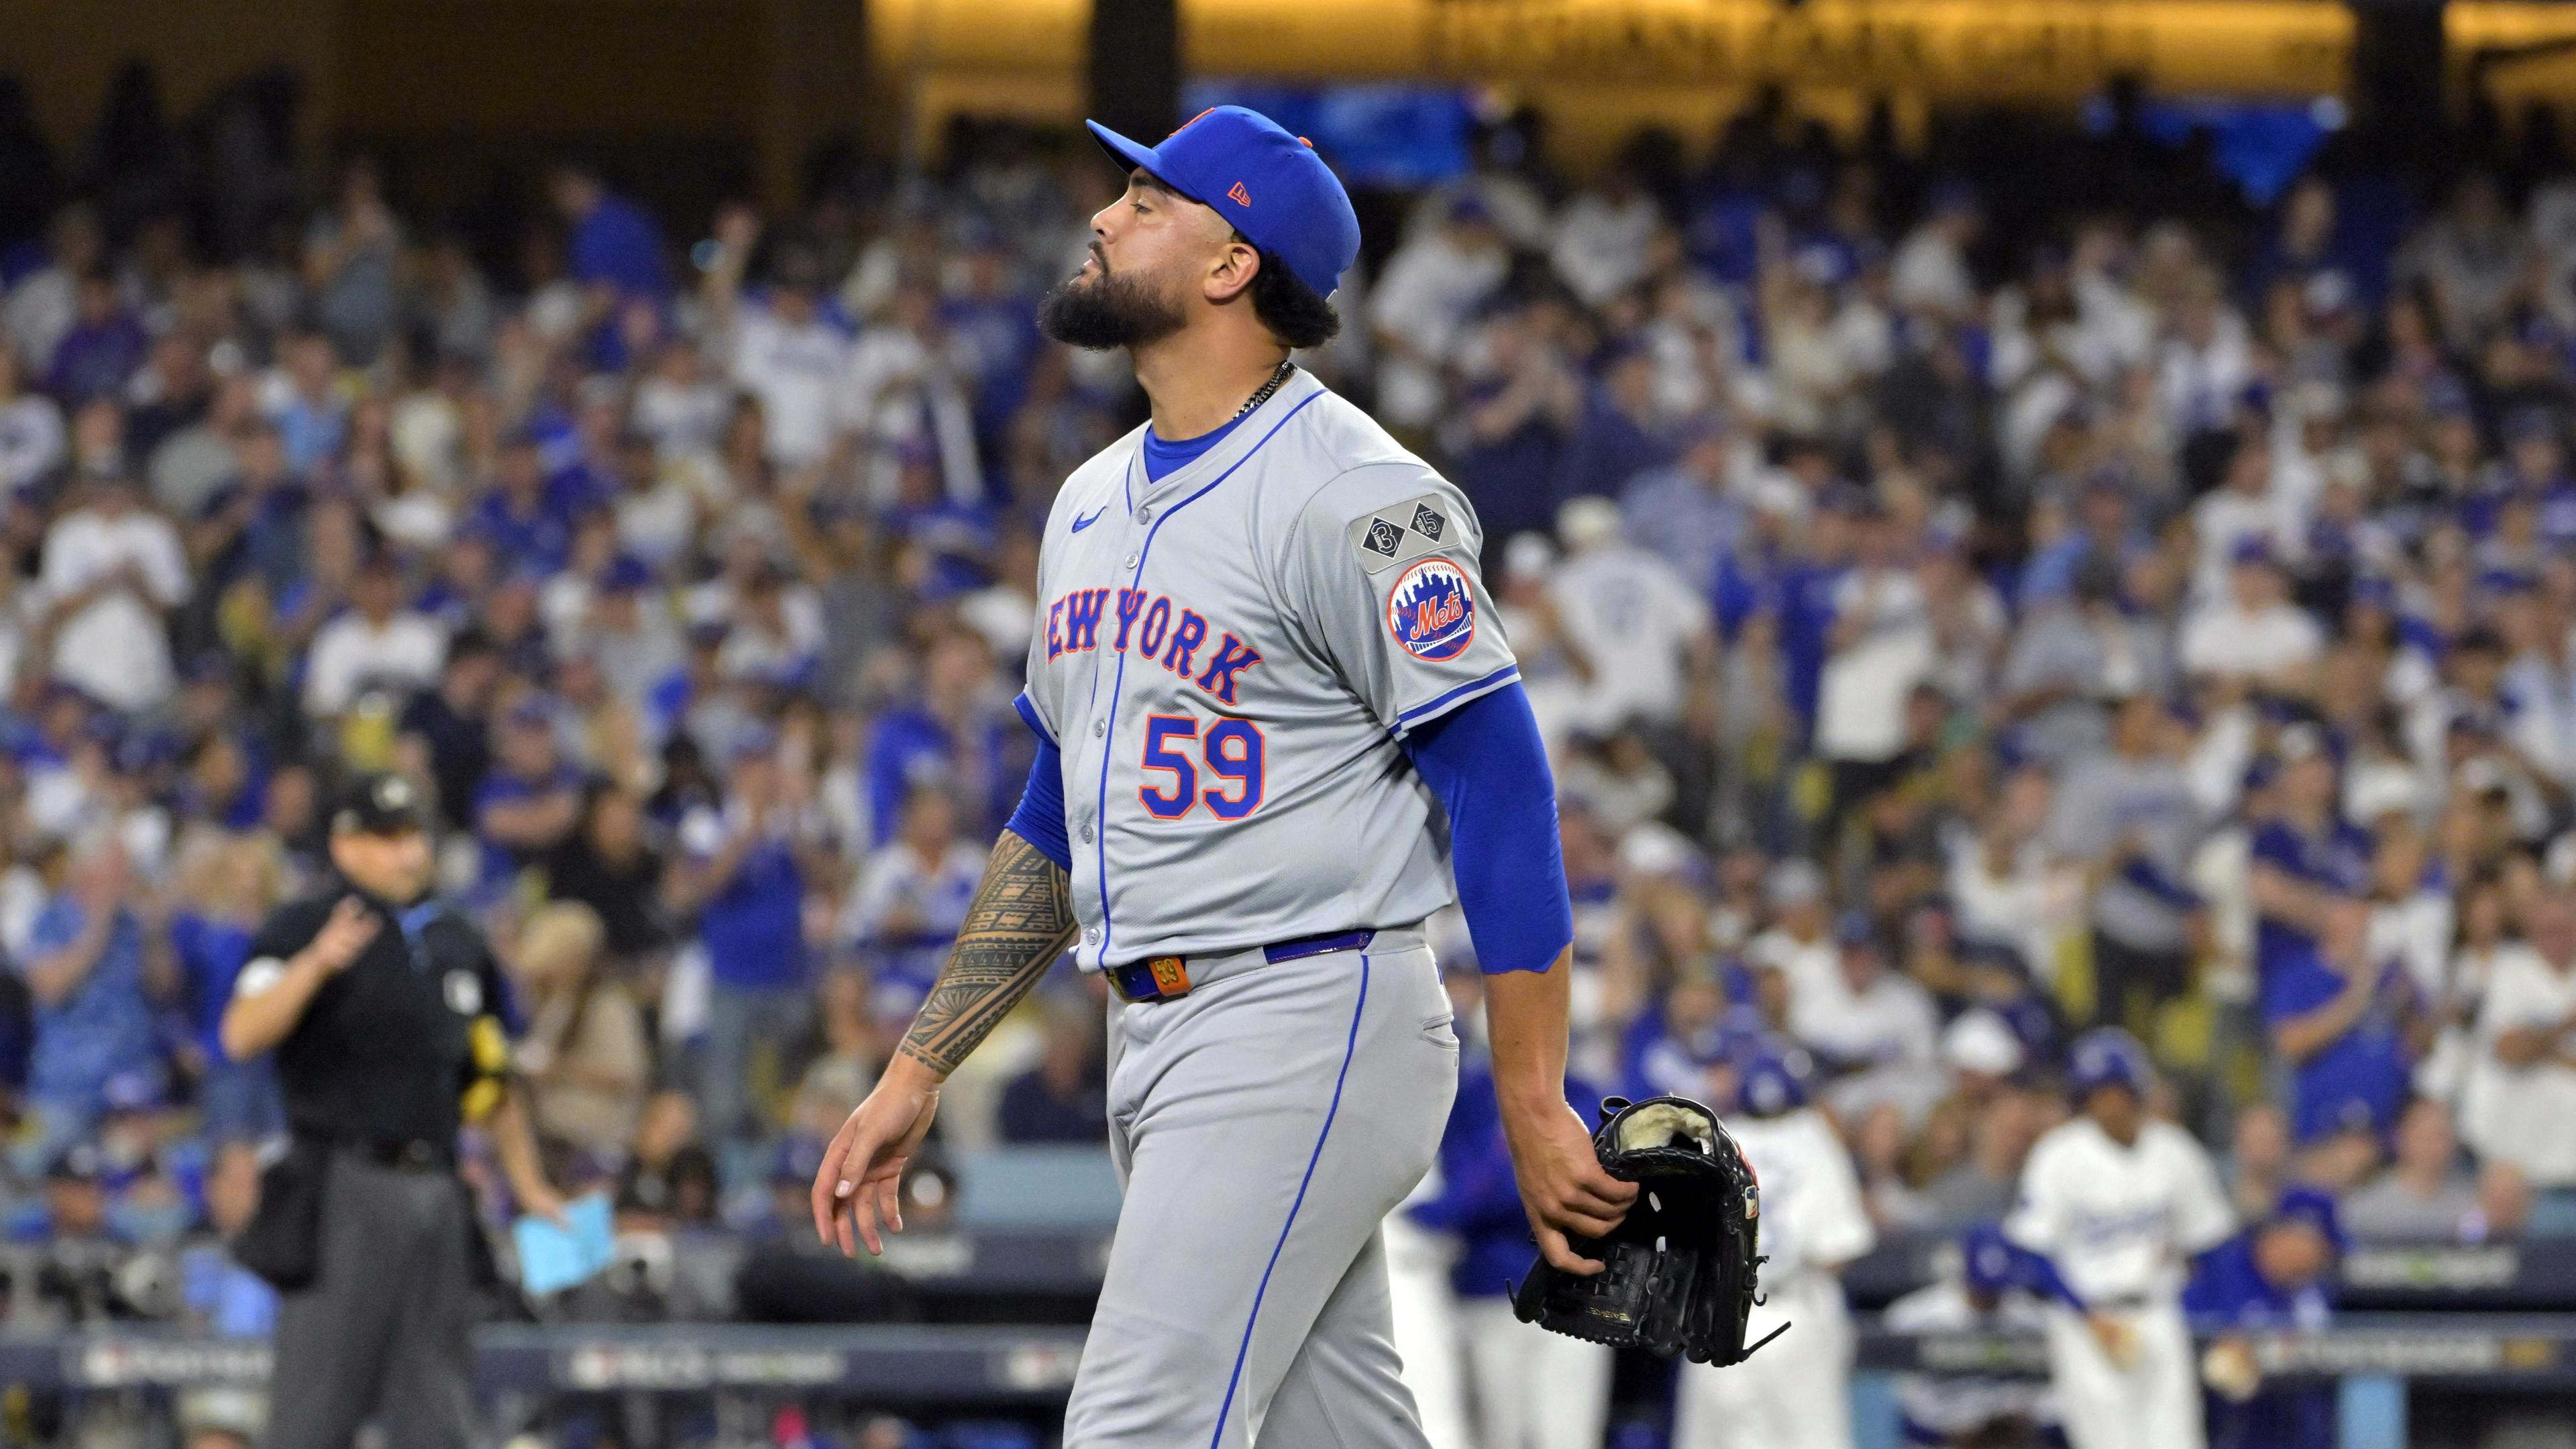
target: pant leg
334 1335
721 1091
1797 1399
1498 1366
2168 1373
1424 1310
1267 1122
1569 1391
1534 1389
428 1400
1346 1385
2094 1404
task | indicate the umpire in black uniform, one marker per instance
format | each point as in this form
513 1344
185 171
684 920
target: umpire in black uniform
388 1016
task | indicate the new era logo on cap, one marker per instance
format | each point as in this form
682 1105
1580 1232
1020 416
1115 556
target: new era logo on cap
1238 195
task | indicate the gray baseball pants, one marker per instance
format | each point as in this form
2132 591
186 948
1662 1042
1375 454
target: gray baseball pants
385 1330
1264 1125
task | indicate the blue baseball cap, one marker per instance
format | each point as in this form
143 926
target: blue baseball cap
2107 1057
2315 1208
1988 1264
1774 1083
1269 184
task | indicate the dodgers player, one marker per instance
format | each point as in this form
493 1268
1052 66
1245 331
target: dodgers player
1959 1410
2116 1203
1813 1222
1279 725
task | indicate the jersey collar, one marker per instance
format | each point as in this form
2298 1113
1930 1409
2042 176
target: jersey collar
1247 435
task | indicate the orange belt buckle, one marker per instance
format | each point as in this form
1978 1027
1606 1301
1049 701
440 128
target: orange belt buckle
1171 976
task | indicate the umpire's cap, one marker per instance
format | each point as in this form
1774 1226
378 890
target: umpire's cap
380 802
2107 1057
1271 185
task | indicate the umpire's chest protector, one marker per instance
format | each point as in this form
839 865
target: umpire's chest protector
1227 658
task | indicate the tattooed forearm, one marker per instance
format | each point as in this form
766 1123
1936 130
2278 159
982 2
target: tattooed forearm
1021 920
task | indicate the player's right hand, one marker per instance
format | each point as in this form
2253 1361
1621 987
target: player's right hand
344 935
1563 1187
860 1184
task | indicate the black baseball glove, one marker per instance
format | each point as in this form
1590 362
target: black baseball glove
1677 1273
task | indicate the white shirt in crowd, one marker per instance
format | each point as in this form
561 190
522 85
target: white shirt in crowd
1930 272
2225 639
2120 1222
116 648
1634 620
31 440
1891 1022
1430 289
796 372
2521 1115
1600 244
40 312
1860 705
407 649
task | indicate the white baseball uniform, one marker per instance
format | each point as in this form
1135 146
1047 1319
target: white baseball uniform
2121 1224
1227 658
1795 1392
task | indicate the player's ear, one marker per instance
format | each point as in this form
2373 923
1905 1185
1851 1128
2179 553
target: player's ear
1231 275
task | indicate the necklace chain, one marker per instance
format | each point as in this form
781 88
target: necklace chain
1277 377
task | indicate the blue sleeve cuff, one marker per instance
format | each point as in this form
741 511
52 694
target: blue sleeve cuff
1444 702
1040 818
1486 763
1029 714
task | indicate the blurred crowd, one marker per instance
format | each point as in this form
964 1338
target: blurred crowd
1963 608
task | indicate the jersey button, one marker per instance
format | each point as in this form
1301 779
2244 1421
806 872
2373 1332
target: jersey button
1131 560
1086 835
1145 514
1099 727
1092 935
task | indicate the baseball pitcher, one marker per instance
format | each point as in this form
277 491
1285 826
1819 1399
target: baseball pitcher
1279 725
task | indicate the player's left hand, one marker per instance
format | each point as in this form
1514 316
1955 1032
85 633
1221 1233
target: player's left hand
1563 1187
860 1184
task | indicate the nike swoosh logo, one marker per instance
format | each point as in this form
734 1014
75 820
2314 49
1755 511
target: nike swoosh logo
1083 521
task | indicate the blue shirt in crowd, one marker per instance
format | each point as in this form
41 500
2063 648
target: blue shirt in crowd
2228 1292
104 1026
617 242
1480 1199
2336 859
2358 1080
754 928
211 953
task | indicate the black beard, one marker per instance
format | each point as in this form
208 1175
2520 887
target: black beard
1109 311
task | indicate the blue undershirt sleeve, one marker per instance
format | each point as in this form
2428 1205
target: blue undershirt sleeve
1486 763
1040 818
2038 1272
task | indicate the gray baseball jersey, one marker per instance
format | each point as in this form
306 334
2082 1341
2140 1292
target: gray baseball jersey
1227 661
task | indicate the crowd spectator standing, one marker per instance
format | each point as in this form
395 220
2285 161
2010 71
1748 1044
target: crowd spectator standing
1961 608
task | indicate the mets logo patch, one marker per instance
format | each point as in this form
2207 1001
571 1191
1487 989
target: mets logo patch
1431 612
